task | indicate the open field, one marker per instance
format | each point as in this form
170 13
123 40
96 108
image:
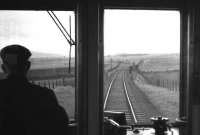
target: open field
168 75
158 63
46 63
162 71
43 63
46 68
41 74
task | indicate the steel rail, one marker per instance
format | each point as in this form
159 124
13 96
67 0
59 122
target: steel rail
127 97
107 95
129 102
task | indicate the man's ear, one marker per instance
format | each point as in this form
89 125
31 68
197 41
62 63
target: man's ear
28 65
3 68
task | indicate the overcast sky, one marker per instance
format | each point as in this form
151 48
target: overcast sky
35 30
140 31
125 31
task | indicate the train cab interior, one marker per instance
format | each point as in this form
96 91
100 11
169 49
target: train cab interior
88 42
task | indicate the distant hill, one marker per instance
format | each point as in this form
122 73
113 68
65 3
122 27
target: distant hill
127 54
47 60
44 55
160 62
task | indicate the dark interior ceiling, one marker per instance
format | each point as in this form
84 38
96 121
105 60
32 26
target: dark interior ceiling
71 4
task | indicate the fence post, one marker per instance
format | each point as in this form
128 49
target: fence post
160 83
174 85
163 83
157 83
63 79
49 84
177 86
53 84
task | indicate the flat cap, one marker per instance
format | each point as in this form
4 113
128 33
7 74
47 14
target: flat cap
15 54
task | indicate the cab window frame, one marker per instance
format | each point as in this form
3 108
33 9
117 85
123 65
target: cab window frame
83 52
183 45
185 67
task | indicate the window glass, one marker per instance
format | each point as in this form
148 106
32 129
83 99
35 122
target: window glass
141 65
45 35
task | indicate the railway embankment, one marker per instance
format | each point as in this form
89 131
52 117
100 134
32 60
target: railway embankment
144 108
167 102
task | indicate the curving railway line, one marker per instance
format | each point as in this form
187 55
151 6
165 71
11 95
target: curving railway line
124 96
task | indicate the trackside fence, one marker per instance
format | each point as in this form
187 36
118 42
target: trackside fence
53 83
172 85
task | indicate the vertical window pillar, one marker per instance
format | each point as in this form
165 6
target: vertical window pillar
183 65
90 52
194 54
185 69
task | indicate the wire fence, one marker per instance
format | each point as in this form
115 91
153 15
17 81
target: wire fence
172 85
53 83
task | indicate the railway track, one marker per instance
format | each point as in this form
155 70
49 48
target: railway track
117 98
125 97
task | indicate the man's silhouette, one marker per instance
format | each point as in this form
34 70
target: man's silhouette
25 108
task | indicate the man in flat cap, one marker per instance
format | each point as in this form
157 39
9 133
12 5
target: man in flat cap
25 108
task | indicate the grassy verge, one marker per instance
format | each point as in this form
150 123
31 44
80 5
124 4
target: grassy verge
166 75
166 101
66 98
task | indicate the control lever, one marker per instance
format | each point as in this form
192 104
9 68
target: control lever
160 125
180 122
112 127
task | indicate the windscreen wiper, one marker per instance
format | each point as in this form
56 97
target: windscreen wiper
64 32
61 28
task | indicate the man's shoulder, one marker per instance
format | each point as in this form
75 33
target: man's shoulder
3 91
40 89
3 82
43 93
